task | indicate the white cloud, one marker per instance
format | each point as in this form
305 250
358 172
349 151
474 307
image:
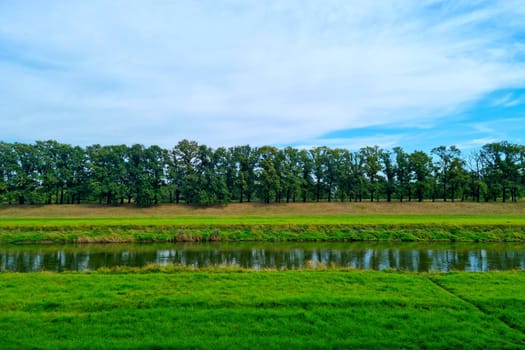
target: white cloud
476 143
356 143
236 72
509 100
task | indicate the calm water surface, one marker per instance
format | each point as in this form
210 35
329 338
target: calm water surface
362 255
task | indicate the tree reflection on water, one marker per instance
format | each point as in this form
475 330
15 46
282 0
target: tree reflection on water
255 255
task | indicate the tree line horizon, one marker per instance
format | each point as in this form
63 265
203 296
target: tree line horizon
49 172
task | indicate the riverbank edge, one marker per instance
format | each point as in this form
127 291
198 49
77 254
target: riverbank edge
261 232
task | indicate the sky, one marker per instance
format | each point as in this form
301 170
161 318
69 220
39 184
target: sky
302 73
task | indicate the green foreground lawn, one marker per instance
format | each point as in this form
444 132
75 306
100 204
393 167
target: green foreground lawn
261 310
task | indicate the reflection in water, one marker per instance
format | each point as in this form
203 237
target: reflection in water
362 255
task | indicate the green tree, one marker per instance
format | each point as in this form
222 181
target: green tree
245 160
502 169
372 166
477 186
319 156
306 164
25 173
146 174
268 178
185 162
332 158
291 174
77 184
403 174
390 171
449 170
358 170
8 169
107 172
346 177
421 167
210 181
48 169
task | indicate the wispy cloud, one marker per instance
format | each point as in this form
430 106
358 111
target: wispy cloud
356 143
476 143
259 72
509 100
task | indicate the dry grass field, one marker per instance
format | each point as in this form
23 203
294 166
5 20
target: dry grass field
257 209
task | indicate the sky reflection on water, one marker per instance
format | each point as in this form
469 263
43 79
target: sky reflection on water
255 255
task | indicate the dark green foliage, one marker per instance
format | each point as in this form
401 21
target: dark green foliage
420 167
49 172
504 169
268 179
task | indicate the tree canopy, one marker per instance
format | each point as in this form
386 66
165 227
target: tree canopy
49 172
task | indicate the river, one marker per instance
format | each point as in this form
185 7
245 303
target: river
256 255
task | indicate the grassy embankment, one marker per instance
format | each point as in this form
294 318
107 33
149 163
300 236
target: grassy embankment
304 221
240 309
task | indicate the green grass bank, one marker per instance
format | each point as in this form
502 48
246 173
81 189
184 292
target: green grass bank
285 222
126 233
171 308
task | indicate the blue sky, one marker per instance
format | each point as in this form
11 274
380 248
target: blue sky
340 73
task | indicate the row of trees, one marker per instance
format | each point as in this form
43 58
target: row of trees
50 172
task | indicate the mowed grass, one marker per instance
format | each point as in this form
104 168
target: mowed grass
498 294
250 214
373 219
261 310
257 210
248 221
